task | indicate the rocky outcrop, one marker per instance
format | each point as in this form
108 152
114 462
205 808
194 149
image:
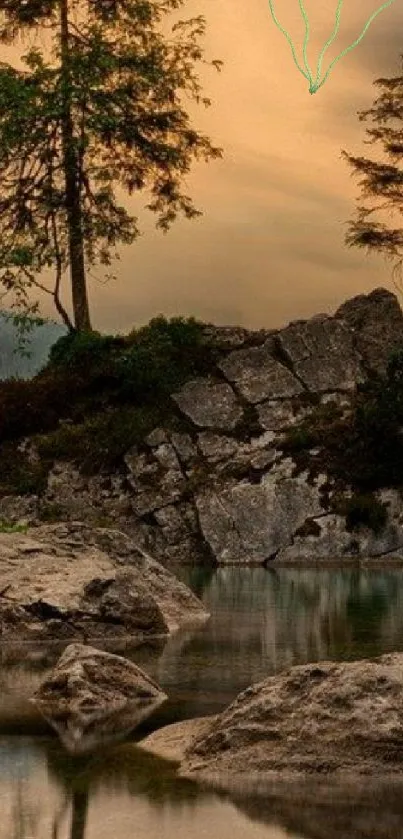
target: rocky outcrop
332 721
93 697
73 581
259 376
376 322
248 523
221 488
321 353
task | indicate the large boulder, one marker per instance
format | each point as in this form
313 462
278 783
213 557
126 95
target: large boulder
333 720
74 581
92 697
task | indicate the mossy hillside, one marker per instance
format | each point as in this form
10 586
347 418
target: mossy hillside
98 396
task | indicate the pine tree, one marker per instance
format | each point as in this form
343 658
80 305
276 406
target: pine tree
105 112
381 181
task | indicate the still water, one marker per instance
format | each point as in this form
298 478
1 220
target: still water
262 621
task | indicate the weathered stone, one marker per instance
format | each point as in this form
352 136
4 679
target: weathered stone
331 542
67 487
146 496
258 376
189 551
209 403
340 400
321 353
142 467
275 415
62 581
155 485
376 320
216 447
169 490
93 697
173 524
232 337
263 459
249 523
185 447
157 437
171 741
309 720
167 457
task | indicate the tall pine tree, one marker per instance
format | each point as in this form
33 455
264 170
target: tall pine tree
105 112
382 181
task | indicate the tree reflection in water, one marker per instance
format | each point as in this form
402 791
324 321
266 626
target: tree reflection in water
25 817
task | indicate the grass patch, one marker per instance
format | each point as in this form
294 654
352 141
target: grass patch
9 527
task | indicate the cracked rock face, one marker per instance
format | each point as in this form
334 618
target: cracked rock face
376 321
259 376
209 404
249 523
92 697
322 354
220 489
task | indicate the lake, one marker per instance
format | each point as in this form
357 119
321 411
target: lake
262 621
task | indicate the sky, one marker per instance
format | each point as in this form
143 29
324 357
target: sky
269 247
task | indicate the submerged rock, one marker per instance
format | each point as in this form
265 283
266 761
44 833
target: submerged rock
92 697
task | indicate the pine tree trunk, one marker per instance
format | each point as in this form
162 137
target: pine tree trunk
73 204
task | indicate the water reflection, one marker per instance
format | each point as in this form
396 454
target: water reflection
261 622
265 621
124 793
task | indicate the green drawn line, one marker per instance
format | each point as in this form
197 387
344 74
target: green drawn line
315 85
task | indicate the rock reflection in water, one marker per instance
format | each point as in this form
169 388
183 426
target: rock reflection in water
327 812
95 731
262 621
123 793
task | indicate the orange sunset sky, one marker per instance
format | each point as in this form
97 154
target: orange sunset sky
270 245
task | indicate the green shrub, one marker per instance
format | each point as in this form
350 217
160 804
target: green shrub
89 372
298 438
370 450
37 404
365 509
161 357
9 527
100 442
87 347
17 475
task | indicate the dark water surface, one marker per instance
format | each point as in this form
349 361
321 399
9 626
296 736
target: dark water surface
261 623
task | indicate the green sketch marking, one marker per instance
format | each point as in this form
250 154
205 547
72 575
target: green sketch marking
315 85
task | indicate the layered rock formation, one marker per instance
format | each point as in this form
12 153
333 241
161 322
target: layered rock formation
223 490
72 581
